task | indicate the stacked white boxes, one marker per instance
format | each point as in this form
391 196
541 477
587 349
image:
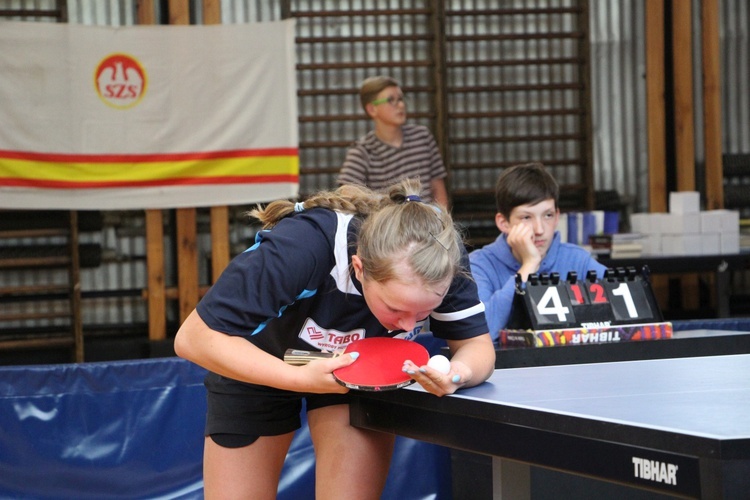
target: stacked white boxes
724 226
687 230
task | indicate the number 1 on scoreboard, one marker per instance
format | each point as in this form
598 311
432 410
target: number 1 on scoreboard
577 294
624 291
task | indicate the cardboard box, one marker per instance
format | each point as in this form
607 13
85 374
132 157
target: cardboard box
684 202
652 244
710 243
641 223
720 221
680 223
730 243
681 244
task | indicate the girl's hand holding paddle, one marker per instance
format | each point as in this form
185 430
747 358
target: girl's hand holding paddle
317 375
379 365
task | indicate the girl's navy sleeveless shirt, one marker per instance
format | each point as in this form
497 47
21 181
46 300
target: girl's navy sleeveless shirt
294 288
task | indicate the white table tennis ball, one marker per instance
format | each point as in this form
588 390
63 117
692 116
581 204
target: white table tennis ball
440 363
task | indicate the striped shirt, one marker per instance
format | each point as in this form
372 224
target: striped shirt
377 165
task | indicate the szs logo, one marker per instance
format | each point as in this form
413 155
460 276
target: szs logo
120 81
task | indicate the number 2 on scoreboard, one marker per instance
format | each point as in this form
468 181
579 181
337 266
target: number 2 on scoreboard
598 296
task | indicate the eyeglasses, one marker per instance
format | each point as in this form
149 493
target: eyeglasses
392 100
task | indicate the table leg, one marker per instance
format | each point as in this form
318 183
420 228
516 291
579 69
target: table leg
722 290
511 480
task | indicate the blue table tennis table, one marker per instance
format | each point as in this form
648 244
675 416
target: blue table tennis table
677 426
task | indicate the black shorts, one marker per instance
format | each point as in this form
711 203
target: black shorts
240 413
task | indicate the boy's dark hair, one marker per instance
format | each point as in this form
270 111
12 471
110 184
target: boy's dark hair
529 183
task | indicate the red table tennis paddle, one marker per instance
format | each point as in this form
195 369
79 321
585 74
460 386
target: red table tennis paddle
378 367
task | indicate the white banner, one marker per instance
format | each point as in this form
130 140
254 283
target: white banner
146 116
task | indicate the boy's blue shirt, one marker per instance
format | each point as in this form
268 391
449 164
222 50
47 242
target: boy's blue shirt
494 268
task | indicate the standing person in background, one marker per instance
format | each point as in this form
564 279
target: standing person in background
339 266
394 150
527 199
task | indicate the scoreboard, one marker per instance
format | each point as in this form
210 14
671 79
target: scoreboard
620 306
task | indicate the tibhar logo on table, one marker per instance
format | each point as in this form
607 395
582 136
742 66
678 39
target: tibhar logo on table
653 470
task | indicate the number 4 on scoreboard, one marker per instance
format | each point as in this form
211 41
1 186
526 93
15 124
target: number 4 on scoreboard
549 306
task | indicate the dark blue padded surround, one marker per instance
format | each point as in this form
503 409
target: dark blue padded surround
134 429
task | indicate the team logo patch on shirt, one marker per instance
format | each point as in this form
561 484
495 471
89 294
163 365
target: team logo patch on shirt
412 334
326 339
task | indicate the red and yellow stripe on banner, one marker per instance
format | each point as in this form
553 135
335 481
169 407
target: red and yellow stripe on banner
81 171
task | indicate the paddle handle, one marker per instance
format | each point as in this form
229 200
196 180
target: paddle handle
299 357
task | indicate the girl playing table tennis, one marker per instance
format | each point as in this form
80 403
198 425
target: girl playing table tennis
341 266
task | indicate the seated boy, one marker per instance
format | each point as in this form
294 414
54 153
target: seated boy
527 214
